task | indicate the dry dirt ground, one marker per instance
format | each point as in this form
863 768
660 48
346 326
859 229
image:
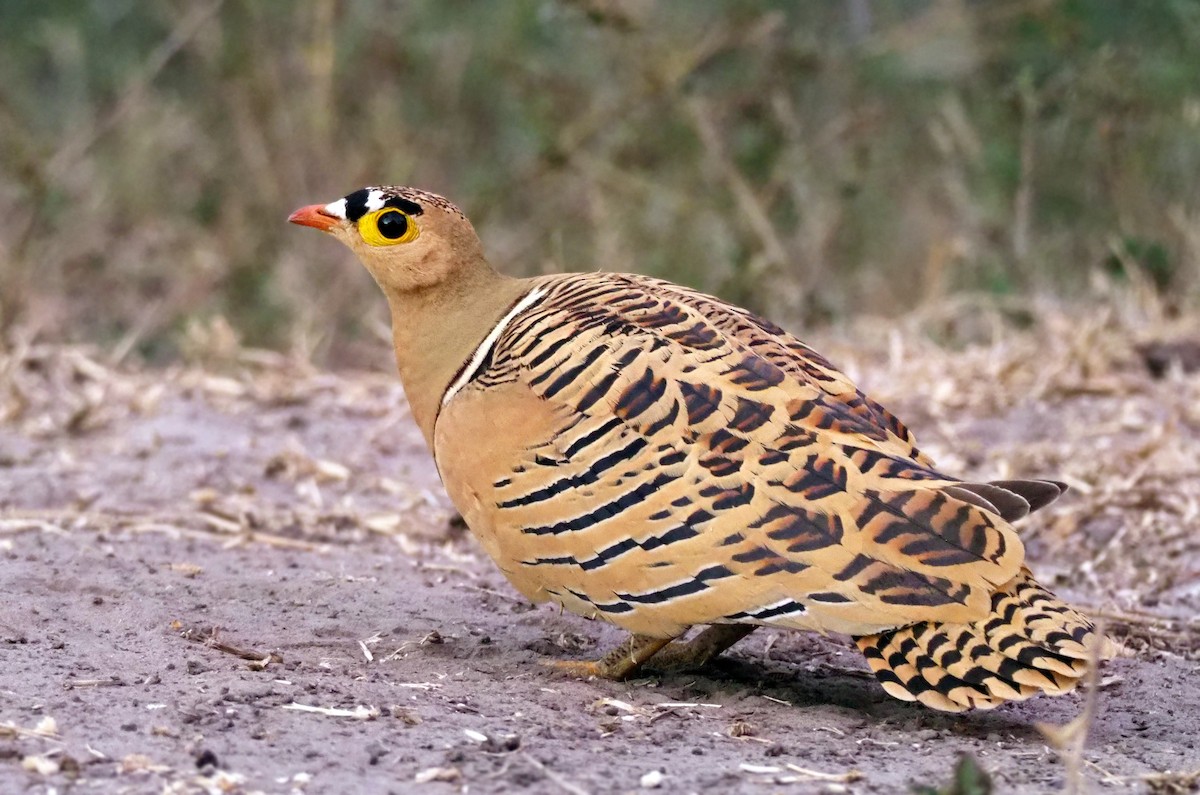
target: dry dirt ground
245 579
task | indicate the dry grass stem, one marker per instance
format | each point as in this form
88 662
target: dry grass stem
1069 740
208 637
358 713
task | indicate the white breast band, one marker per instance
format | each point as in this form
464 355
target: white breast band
485 347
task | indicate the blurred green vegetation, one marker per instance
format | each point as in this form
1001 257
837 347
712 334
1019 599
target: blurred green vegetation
813 160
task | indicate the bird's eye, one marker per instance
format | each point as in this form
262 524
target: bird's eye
392 225
386 227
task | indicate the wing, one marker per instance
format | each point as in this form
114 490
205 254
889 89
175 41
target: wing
691 463
1012 499
789 354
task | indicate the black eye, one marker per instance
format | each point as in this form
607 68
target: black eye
393 225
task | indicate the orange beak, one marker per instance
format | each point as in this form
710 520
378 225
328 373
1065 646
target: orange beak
314 215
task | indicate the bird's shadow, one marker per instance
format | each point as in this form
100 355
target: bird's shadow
848 689
804 672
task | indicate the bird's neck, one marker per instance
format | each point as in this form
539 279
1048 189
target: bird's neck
437 329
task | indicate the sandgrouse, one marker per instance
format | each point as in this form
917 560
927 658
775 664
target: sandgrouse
643 453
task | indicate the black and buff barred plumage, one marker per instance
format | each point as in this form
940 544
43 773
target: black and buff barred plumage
646 454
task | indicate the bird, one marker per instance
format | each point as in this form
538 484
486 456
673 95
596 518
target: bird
643 453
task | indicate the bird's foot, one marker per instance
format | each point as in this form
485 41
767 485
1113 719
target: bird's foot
700 650
620 663
580 669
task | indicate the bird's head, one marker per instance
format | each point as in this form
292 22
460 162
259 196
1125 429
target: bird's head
408 239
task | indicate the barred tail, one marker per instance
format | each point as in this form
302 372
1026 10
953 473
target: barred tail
1031 643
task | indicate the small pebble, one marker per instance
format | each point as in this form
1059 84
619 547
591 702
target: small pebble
653 779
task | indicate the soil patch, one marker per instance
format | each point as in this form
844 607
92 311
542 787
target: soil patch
250 581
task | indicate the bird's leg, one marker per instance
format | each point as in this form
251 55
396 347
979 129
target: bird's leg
697 652
620 663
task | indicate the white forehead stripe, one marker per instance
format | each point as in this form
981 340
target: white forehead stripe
473 364
374 200
337 209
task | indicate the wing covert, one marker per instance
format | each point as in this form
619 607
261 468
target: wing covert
710 469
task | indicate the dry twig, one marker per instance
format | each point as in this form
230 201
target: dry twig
209 638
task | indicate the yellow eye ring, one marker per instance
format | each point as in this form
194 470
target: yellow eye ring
387 227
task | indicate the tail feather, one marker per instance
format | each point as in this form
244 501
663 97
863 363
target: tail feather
1030 643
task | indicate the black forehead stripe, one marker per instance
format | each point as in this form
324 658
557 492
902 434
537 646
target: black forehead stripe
404 205
356 204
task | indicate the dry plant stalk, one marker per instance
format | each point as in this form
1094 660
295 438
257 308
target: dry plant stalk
1069 739
208 638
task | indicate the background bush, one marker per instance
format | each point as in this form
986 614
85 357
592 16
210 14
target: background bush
813 160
